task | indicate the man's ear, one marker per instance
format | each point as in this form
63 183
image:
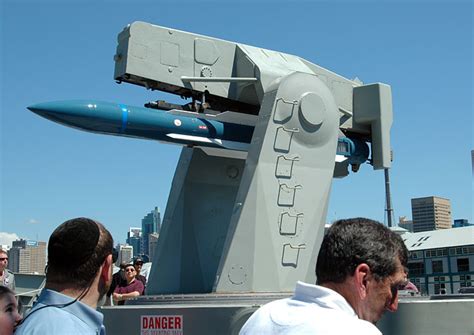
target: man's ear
106 272
362 277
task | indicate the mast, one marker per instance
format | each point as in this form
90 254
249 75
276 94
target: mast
388 199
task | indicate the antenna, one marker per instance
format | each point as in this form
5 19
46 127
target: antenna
388 198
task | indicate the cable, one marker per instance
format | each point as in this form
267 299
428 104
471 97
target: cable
78 298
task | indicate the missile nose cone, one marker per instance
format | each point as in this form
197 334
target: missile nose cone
40 108
83 114
62 109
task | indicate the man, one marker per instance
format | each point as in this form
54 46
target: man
6 277
360 267
131 289
138 264
78 274
118 279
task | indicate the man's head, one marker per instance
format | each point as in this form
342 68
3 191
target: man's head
138 264
3 260
79 250
130 272
365 262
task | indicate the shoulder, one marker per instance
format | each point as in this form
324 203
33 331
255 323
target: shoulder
138 284
9 279
52 320
291 316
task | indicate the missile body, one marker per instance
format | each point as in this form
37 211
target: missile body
184 128
139 122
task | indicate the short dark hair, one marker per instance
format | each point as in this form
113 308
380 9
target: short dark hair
351 242
4 291
76 250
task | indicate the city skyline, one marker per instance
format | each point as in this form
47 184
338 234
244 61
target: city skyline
52 173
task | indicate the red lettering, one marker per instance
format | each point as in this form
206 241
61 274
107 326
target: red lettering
165 322
177 321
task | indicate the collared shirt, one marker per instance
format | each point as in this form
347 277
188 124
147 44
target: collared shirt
8 280
312 310
77 318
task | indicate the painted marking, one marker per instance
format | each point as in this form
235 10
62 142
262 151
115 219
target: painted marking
161 325
240 146
124 117
177 122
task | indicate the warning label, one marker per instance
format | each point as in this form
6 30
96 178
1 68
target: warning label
161 325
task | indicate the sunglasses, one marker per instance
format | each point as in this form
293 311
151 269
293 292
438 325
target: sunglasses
130 270
4 259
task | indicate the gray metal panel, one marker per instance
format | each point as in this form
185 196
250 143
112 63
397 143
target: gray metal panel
428 317
225 314
280 210
195 223
373 106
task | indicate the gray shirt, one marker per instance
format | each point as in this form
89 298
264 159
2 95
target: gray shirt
8 280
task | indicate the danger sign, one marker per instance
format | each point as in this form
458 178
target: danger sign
161 325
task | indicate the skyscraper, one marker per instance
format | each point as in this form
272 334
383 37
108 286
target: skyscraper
152 242
125 253
430 213
134 238
151 223
27 256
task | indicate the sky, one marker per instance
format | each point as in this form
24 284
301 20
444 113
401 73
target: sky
60 50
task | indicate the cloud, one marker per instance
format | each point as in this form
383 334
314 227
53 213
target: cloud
33 221
8 238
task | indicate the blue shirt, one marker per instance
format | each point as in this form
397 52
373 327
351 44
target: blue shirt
77 318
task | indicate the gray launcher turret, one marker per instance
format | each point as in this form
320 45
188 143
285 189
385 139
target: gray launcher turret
251 221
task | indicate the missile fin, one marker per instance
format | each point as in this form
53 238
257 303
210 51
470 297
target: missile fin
232 145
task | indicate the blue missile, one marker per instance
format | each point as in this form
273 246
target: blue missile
227 130
139 122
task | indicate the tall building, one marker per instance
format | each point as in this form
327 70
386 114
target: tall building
125 253
134 238
27 256
430 213
405 223
152 242
151 223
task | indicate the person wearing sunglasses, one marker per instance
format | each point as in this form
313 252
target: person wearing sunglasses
138 264
360 268
132 287
6 277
